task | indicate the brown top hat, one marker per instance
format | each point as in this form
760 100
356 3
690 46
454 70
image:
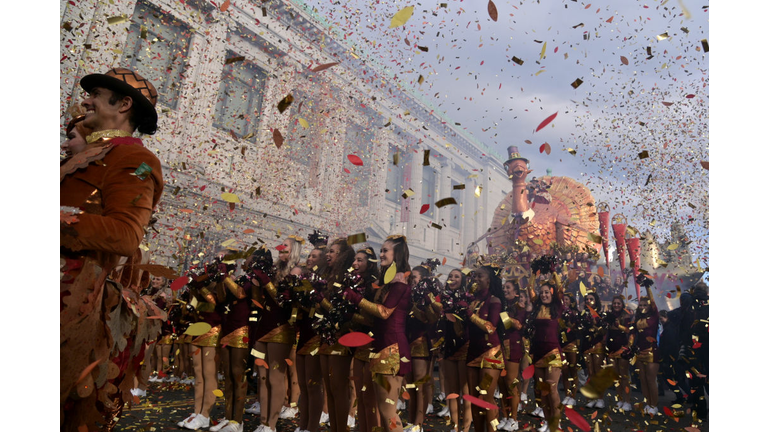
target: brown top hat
514 154
129 83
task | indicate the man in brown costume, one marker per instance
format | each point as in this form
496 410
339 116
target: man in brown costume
108 192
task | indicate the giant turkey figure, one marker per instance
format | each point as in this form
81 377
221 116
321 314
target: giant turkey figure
544 211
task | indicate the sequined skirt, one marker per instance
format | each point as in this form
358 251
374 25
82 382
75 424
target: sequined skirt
236 339
491 359
420 348
284 334
210 339
461 353
553 358
311 347
386 361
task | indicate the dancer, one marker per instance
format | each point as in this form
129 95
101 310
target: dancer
365 265
203 285
275 335
593 342
456 344
570 336
618 323
389 309
543 328
643 341
524 301
514 352
307 361
484 356
336 359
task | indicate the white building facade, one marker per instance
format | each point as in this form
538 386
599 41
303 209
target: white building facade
222 75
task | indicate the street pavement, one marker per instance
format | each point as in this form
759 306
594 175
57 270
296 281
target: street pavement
168 403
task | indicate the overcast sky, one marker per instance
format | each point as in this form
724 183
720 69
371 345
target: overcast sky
629 101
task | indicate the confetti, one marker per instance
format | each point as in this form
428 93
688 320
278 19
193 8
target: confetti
355 160
577 419
356 238
492 12
179 283
197 329
445 201
323 67
401 17
577 83
277 137
545 148
546 121
424 208
285 103
355 339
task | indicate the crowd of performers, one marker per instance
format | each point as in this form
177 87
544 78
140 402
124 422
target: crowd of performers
350 336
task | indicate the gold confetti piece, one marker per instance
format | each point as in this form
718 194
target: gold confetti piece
461 186
421 79
662 36
198 329
434 225
285 103
576 83
594 238
426 157
230 197
571 151
356 238
582 289
705 45
218 393
234 60
517 60
478 190
143 32
543 51
673 246
117 19
408 193
445 201
257 354
390 274
643 154
396 158
539 72
538 241
401 17
303 123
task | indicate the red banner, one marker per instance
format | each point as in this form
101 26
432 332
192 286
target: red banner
619 231
605 221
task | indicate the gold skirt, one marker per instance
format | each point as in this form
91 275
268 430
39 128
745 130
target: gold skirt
461 354
491 359
312 347
551 359
599 348
386 361
210 339
335 349
572 347
420 348
646 356
285 334
236 339
363 353
166 340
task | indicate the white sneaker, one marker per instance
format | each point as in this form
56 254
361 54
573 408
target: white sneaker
502 424
138 392
497 394
582 374
544 427
569 401
324 418
219 425
181 423
538 412
441 397
220 376
600 404
259 429
430 409
512 425
350 421
267 429
523 397
444 412
198 422
232 426
591 404
288 412
400 405
254 409
627 406
653 411
153 379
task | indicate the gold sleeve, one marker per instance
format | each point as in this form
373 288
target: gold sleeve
483 324
208 295
326 304
362 319
271 290
234 288
375 309
418 314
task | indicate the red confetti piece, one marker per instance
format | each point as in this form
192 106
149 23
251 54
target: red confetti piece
609 20
281 247
424 209
224 6
479 402
690 96
277 137
355 160
528 372
546 121
624 60
545 148
577 419
452 396
705 165
248 231
323 67
492 11
179 283
668 412
347 171
355 339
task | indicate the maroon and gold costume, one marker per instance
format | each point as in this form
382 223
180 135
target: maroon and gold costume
208 311
514 349
484 343
645 331
274 325
618 332
390 345
235 318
